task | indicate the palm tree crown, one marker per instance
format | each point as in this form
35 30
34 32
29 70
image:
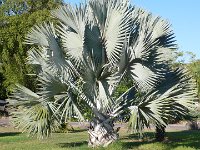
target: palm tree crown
82 59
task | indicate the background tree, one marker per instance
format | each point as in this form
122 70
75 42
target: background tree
16 19
194 67
85 56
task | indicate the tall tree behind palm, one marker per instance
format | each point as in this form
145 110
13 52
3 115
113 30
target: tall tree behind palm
16 18
84 58
195 70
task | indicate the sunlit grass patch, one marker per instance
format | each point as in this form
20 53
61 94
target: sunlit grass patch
183 140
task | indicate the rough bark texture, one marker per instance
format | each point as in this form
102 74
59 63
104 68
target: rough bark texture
101 134
160 134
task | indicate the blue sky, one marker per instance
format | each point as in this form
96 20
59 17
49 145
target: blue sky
184 15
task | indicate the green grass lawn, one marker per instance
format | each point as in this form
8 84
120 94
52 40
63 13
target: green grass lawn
184 140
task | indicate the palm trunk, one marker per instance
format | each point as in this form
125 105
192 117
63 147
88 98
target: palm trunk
101 133
160 133
192 125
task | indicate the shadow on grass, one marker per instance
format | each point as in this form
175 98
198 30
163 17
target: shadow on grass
73 144
184 138
71 131
9 134
173 140
133 141
78 130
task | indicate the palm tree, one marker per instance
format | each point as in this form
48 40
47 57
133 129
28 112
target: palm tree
83 58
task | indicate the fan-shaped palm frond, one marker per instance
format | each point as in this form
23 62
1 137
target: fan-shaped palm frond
36 120
173 97
148 43
44 36
51 85
35 115
40 112
72 29
22 95
67 107
117 26
37 57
